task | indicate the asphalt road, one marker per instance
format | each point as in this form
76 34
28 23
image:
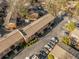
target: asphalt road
44 40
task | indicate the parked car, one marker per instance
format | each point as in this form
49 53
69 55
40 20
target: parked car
43 54
77 24
55 39
27 58
22 21
34 56
38 9
49 47
45 49
11 26
52 43
1 21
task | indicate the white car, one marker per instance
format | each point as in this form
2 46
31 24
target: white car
48 47
54 39
27 58
34 56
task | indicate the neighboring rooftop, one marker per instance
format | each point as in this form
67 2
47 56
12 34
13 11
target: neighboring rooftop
75 33
60 53
11 39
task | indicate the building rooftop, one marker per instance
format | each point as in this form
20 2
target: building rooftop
60 53
11 39
34 27
75 33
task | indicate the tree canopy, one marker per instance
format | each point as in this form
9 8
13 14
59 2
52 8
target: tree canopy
50 56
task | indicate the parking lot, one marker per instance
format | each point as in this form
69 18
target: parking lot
44 40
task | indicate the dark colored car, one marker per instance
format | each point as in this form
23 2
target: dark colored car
42 55
45 49
38 9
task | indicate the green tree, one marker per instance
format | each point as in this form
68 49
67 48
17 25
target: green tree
70 26
50 56
33 1
66 40
23 11
55 6
77 9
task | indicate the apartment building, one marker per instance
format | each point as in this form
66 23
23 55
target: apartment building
13 41
10 42
38 26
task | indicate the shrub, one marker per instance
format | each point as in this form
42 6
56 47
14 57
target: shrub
66 40
50 56
70 26
32 41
